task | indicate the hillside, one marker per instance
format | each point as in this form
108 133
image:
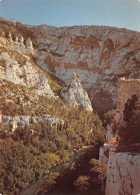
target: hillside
53 81
98 55
43 120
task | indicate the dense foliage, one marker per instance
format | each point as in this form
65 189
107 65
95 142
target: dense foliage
96 176
110 119
129 131
86 174
130 108
21 165
28 153
32 151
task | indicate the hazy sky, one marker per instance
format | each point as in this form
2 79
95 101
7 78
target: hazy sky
118 13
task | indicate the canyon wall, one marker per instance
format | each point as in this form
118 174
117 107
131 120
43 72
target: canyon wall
123 174
99 55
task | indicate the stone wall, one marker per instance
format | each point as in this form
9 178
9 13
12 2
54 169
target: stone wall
126 88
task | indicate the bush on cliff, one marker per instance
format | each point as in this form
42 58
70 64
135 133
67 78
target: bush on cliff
129 131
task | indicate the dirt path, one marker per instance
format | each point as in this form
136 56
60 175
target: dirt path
34 187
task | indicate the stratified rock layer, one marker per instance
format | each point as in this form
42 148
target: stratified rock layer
123 174
98 55
23 121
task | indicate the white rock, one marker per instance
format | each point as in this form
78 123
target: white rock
25 74
123 174
104 152
75 94
109 133
23 121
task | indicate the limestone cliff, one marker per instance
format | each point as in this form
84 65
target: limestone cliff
24 73
22 121
98 55
123 174
75 93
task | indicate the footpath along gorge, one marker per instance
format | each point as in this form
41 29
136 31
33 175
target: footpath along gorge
58 87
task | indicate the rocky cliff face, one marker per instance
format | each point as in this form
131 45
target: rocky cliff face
25 90
75 93
23 121
23 73
123 174
98 55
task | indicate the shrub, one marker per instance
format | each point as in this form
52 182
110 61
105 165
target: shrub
109 117
130 107
129 133
98 172
20 166
82 183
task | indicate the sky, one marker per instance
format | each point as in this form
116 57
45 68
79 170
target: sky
117 13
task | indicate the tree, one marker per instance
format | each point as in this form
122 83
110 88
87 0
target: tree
129 132
130 107
83 183
98 172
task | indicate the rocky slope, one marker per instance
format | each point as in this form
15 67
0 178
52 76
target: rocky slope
98 55
22 121
28 94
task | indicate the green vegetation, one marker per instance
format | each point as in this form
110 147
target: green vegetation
38 147
83 183
22 101
110 118
54 82
96 176
21 165
129 132
86 174
27 154
130 107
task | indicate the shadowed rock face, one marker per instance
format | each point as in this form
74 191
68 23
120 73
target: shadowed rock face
98 55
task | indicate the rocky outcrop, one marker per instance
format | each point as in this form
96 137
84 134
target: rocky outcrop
23 121
104 150
19 70
75 93
98 55
123 174
109 133
111 142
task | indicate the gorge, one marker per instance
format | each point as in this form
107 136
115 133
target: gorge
54 82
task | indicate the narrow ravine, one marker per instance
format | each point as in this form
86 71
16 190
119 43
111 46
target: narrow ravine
34 187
